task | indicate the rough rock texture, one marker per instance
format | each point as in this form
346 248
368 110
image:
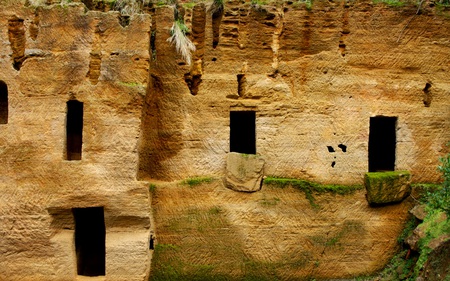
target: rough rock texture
289 65
38 187
313 77
387 187
244 172
438 265
419 212
274 233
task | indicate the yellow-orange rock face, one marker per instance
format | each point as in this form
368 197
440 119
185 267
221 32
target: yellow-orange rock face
314 79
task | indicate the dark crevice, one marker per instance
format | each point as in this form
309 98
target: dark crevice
333 164
242 84
153 39
3 103
16 35
193 82
330 148
152 243
427 95
124 20
216 20
74 130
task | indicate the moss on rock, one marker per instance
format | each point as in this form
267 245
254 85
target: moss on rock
387 187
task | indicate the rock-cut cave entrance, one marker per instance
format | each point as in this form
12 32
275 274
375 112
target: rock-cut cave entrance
3 103
74 130
243 132
382 143
90 237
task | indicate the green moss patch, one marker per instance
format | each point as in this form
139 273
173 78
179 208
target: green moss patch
387 187
197 181
312 187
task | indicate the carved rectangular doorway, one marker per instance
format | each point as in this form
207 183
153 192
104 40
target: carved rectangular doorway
382 143
90 237
243 132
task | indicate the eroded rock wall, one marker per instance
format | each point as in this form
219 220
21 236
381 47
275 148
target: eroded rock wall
66 53
313 77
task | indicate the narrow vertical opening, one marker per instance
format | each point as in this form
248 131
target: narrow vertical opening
382 143
90 237
3 103
243 132
74 129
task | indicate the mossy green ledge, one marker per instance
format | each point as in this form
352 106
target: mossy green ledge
387 187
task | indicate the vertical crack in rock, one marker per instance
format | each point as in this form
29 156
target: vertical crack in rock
216 20
16 35
427 95
345 30
153 37
276 38
242 83
34 27
194 77
94 66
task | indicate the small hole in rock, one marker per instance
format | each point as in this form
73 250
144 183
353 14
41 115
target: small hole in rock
214 59
330 148
152 243
333 164
343 147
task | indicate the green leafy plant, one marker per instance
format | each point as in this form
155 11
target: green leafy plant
439 199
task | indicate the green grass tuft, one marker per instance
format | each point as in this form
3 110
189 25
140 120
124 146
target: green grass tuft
197 181
152 187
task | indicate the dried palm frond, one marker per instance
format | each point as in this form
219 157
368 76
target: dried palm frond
183 44
129 7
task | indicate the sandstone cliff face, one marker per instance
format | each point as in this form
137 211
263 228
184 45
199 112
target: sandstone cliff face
313 78
68 54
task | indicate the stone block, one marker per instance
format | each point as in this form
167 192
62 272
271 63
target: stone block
387 187
244 172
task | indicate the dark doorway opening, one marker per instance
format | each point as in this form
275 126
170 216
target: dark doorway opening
74 129
243 132
90 236
3 103
382 142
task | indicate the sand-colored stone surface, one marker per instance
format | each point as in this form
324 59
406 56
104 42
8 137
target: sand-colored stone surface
314 79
